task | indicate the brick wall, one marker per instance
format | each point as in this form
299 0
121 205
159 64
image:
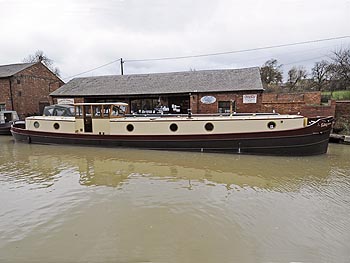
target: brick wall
307 104
5 93
305 98
343 109
198 107
31 88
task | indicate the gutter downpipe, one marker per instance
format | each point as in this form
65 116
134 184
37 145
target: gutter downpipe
11 95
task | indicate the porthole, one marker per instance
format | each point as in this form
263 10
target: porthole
56 126
271 125
130 127
173 127
36 124
209 126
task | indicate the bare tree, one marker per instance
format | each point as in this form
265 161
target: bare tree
321 74
39 56
340 68
271 72
296 75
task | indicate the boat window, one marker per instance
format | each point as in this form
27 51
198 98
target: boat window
78 111
173 127
271 125
115 111
209 126
122 109
118 111
48 111
8 116
59 112
87 110
106 110
97 110
130 127
70 111
56 126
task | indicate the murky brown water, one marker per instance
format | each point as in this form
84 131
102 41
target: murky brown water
81 204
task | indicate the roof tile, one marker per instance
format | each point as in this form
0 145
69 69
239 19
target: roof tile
164 83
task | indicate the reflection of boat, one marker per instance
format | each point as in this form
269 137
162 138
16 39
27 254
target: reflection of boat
6 119
106 124
42 165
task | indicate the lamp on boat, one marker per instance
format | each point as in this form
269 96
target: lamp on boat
189 113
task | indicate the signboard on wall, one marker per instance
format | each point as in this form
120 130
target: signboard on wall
251 98
208 99
65 101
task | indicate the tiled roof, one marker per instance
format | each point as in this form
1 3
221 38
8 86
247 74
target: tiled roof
10 70
164 83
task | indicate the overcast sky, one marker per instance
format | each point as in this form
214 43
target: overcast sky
80 35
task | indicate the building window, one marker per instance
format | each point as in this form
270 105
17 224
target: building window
2 107
144 106
224 106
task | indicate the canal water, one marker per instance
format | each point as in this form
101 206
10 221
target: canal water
84 204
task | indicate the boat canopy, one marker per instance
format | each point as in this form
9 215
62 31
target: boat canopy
59 110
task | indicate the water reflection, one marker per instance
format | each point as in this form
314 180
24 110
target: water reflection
41 164
81 204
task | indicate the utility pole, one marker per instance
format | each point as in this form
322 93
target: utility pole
122 66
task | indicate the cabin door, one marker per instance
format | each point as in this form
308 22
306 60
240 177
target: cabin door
87 119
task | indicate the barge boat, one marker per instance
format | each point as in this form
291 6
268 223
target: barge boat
6 120
108 125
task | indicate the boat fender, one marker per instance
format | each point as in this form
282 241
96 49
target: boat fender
305 122
29 140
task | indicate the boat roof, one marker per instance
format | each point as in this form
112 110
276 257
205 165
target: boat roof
101 103
7 111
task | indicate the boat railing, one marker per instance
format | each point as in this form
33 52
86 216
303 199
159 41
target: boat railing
169 115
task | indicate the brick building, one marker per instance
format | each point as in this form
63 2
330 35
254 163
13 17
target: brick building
25 87
206 91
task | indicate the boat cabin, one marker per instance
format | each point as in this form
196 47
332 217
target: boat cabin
8 116
111 119
97 113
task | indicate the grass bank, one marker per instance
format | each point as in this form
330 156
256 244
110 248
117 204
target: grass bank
336 95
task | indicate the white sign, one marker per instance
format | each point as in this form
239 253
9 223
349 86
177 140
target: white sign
251 98
65 101
208 99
